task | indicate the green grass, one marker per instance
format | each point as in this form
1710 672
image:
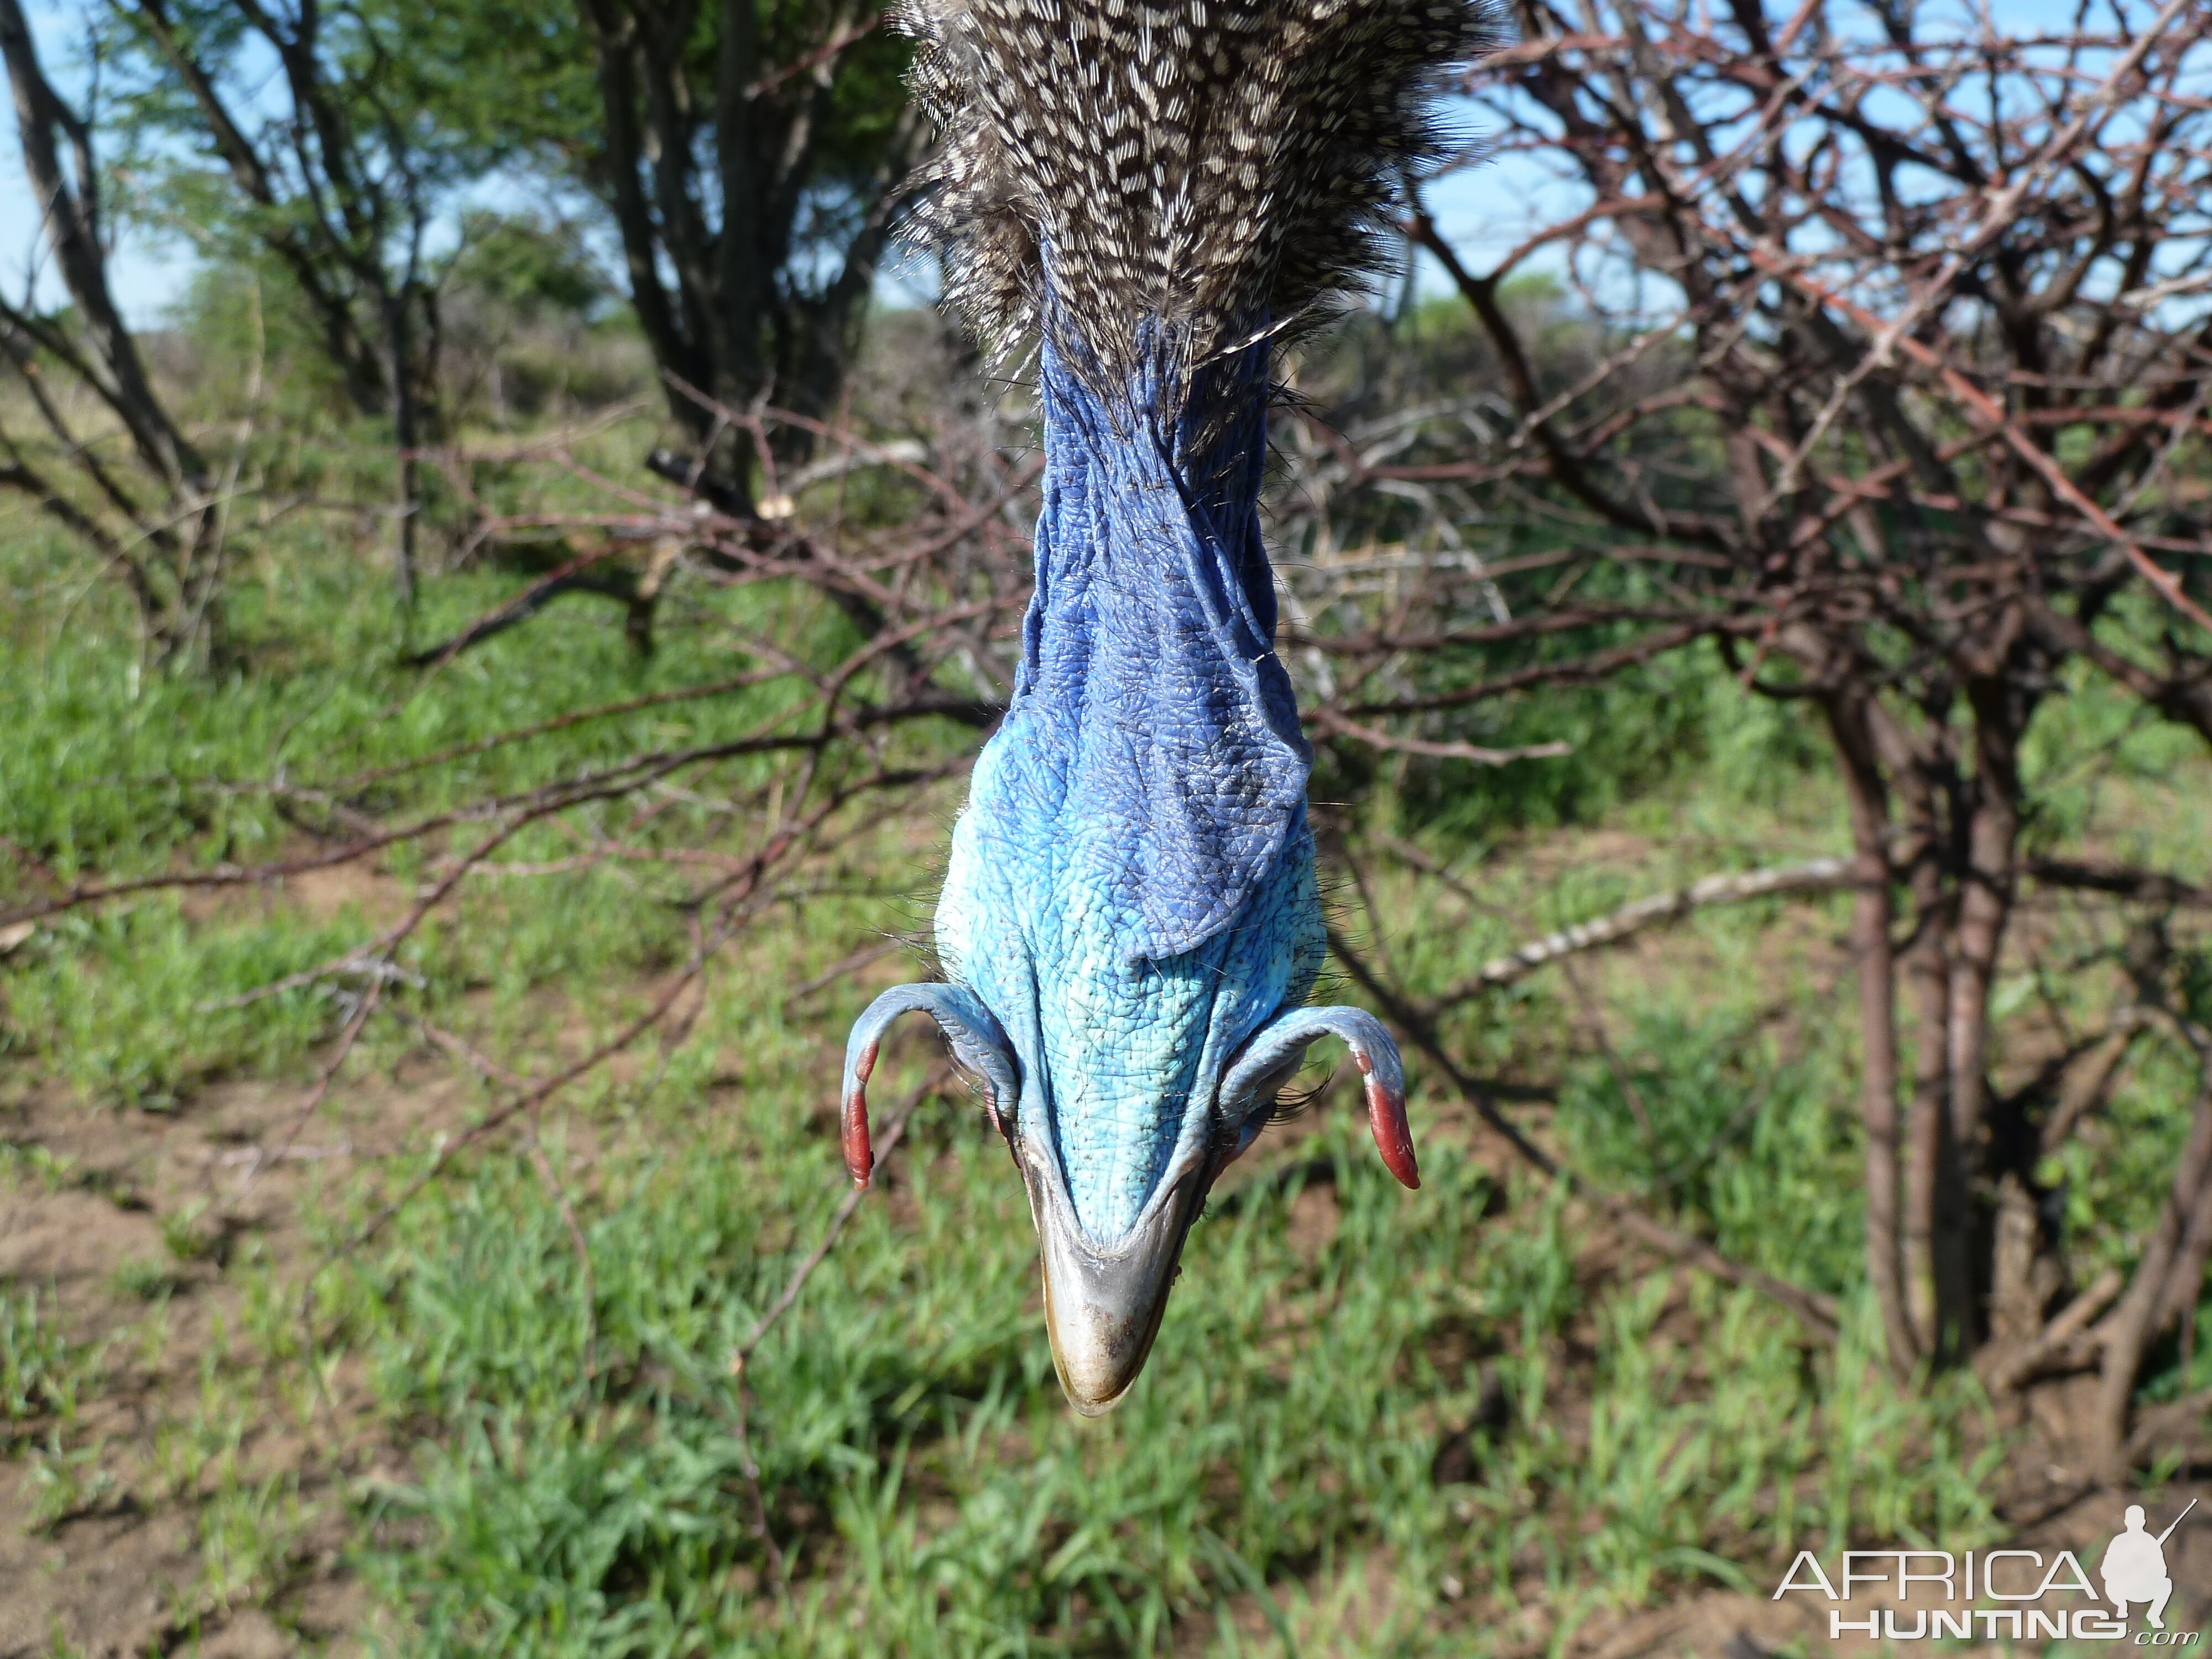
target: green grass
581 1489
1376 1423
41 1370
1757 1149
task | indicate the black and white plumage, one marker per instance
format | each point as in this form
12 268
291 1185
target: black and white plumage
1220 169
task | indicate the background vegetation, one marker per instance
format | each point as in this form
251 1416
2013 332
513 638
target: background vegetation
471 751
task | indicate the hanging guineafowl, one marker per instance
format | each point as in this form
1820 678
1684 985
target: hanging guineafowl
1155 198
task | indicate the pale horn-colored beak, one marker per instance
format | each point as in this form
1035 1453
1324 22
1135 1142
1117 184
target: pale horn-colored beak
1103 1307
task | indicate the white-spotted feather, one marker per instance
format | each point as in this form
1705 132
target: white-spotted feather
1216 167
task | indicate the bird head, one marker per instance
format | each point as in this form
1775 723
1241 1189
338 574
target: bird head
1129 927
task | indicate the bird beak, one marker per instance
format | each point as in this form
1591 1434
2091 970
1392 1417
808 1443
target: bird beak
1102 1308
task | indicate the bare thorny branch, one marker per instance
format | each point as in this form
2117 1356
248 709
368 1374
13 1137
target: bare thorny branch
791 790
1876 358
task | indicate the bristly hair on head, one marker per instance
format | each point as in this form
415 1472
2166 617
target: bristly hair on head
1117 175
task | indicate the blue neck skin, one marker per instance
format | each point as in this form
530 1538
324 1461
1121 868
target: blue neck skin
1131 888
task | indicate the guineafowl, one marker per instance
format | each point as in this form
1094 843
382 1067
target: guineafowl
1145 203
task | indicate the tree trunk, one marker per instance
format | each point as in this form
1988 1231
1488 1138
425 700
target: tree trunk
404 440
1914 769
1849 726
1986 886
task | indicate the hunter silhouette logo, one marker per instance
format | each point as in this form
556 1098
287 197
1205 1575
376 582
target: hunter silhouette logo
2134 1567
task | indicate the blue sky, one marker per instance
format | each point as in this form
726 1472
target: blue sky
1485 209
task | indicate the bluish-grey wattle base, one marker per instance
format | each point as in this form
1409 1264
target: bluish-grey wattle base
1131 888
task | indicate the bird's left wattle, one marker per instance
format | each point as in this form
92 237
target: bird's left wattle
1129 927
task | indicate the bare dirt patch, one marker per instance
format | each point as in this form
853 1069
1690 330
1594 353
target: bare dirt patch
120 1530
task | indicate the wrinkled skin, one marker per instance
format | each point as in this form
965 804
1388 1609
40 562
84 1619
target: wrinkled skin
1129 925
